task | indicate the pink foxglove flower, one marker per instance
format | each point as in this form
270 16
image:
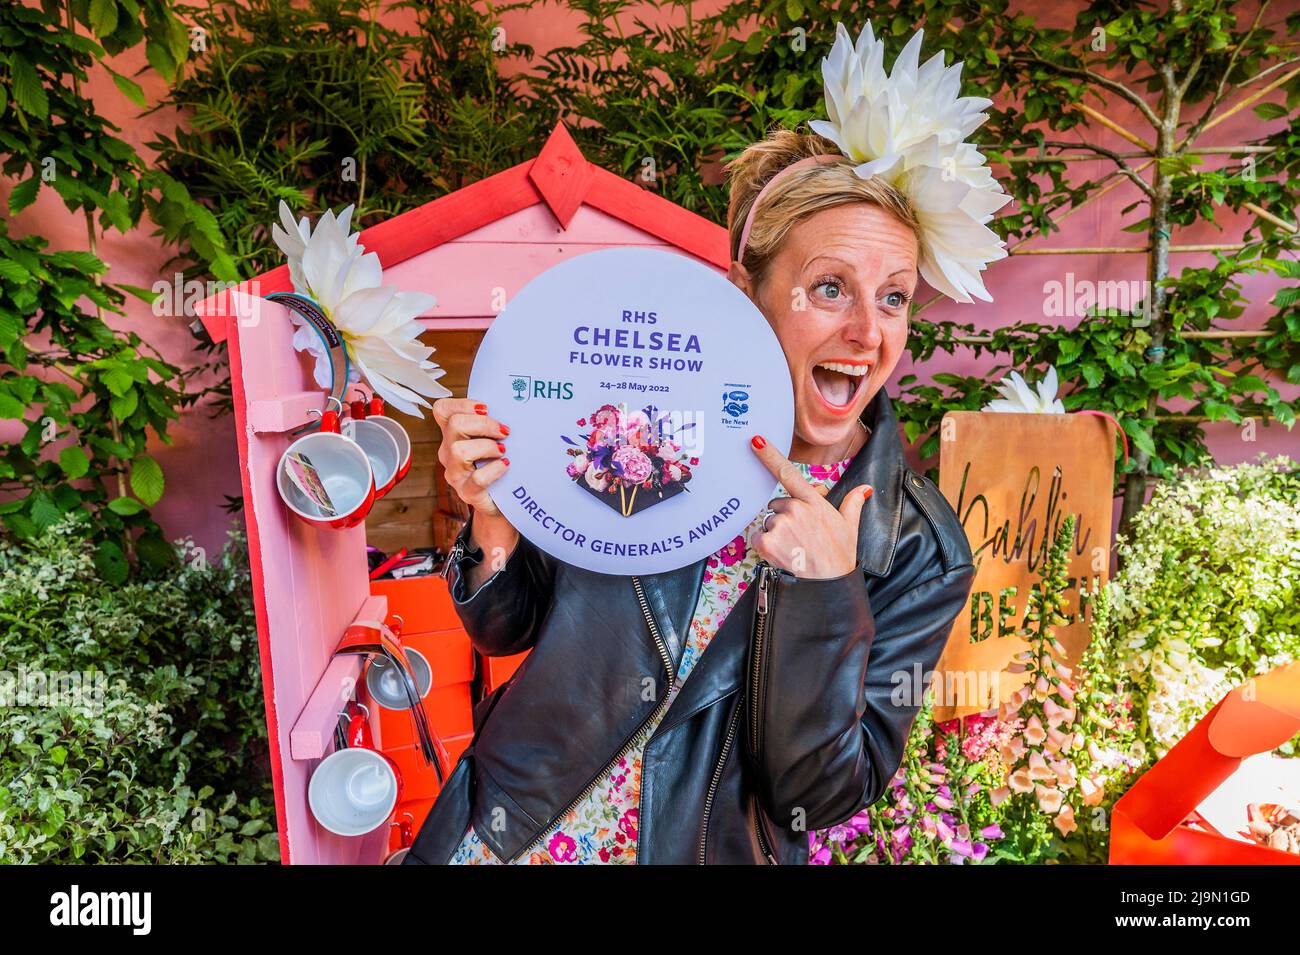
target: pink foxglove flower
1020 781
1064 820
1038 768
1092 791
1034 732
1049 798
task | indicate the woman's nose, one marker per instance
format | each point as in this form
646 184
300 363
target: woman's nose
863 327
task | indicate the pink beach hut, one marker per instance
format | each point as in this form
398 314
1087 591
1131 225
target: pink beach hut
472 249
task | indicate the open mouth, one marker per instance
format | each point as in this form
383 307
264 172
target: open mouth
838 382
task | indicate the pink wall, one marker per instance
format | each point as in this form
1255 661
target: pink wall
201 465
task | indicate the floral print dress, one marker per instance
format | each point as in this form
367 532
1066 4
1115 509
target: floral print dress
603 827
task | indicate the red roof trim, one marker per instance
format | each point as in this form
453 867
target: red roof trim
654 214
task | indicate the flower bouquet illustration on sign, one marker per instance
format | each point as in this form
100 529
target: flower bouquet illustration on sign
629 455
632 381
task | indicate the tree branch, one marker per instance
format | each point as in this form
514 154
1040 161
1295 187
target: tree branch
1253 98
1104 81
1215 100
1265 72
1192 70
1124 168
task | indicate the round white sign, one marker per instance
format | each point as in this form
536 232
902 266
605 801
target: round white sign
632 381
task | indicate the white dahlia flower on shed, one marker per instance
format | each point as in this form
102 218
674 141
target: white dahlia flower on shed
377 322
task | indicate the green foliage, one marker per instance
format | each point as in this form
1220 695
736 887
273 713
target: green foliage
51 135
89 397
647 99
1103 359
69 377
1209 593
161 757
322 105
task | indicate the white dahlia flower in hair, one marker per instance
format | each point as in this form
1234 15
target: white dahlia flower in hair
376 321
909 127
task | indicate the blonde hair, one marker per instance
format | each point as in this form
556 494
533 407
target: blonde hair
797 196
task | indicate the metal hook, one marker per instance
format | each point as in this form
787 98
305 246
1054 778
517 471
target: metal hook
320 413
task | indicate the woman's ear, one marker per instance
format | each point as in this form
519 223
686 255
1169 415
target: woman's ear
739 277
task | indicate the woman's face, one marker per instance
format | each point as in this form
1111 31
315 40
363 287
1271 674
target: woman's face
837 293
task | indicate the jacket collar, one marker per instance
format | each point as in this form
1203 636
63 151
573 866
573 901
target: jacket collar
673 595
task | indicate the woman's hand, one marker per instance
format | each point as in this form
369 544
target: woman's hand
806 534
469 436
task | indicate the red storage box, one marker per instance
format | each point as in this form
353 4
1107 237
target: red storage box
1151 823
423 603
497 670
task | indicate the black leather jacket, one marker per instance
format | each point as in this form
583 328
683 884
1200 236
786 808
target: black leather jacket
794 719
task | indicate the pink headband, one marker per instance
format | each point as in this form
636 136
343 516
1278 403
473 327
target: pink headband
753 206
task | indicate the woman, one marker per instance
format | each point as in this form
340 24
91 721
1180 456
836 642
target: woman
720 712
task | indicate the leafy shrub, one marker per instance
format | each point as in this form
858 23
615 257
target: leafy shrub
1209 593
131 726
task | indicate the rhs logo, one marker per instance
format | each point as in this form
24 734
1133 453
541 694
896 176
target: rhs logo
526 387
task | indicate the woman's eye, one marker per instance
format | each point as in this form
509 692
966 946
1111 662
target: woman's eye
896 299
830 290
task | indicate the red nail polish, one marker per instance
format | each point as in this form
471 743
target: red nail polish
505 460
505 431
480 409
758 441
501 447
866 495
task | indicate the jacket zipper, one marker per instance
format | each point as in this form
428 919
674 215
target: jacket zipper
758 830
766 594
717 777
631 741
765 598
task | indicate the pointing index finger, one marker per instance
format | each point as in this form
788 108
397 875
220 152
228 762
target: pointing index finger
784 471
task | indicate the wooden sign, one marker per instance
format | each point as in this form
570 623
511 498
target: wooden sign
1013 479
